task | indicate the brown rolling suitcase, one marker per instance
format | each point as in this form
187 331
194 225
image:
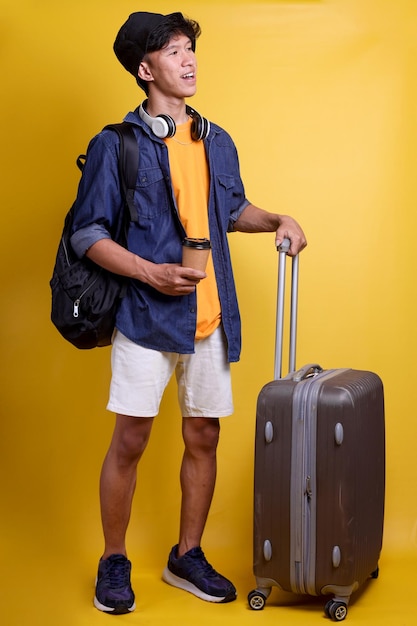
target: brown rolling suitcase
319 478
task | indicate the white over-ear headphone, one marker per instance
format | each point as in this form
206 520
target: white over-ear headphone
164 126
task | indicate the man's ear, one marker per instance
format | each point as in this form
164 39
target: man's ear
144 72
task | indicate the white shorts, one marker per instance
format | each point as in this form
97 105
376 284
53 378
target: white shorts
140 376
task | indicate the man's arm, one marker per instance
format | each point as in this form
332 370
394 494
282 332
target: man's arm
256 220
169 278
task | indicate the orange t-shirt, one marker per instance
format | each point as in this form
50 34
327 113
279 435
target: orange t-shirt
191 182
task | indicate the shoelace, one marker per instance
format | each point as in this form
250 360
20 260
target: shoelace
204 566
117 575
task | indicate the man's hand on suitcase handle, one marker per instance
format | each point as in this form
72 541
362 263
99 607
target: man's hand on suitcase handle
289 233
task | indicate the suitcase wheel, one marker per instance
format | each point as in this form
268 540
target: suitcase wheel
256 600
336 611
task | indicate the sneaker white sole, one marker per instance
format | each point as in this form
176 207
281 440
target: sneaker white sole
181 583
107 609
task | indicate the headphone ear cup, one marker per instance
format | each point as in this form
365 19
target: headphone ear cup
200 128
205 128
163 126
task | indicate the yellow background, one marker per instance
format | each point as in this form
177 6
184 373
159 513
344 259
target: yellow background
321 99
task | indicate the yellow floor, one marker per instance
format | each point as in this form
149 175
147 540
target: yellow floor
55 592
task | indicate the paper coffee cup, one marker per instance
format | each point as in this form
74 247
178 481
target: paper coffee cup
195 253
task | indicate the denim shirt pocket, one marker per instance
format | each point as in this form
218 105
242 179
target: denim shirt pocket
151 193
226 181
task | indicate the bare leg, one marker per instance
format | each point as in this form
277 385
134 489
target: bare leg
118 479
198 478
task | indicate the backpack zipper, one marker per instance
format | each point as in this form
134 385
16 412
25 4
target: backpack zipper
77 302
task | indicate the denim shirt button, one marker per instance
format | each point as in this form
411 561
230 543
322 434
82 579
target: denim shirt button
192 310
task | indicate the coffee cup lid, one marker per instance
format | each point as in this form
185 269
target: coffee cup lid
197 243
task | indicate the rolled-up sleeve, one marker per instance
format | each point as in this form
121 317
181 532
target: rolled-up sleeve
236 214
84 238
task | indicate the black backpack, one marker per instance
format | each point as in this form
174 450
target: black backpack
85 297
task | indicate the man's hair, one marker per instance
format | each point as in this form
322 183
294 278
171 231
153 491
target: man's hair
174 25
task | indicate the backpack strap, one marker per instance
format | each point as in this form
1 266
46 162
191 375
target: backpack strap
128 163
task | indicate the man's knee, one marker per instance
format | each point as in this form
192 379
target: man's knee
130 437
201 434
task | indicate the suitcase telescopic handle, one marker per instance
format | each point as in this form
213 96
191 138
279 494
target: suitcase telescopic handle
283 249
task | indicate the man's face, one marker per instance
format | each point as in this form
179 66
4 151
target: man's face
173 70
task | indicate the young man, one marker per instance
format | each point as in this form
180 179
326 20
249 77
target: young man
173 318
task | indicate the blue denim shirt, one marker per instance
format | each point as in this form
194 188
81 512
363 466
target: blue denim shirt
146 316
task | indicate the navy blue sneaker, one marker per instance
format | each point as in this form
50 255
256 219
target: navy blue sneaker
193 573
114 593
